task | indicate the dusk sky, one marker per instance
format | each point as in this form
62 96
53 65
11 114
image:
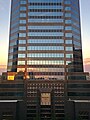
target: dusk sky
4 32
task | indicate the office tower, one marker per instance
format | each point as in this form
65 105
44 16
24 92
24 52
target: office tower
45 43
45 38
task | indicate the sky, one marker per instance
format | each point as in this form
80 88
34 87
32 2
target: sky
4 32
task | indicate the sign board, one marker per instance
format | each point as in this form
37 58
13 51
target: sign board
45 99
10 77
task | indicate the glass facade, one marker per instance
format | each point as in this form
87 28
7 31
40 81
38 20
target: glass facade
45 38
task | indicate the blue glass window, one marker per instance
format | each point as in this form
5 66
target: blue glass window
68 34
45 7
23 2
76 30
22 21
22 28
76 36
77 43
69 55
22 14
46 27
43 1
67 2
68 21
69 48
45 34
45 55
21 55
22 34
45 14
21 48
23 8
68 41
68 28
45 48
45 41
46 20
67 8
67 14
22 41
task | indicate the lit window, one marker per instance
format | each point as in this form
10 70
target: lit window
21 55
21 62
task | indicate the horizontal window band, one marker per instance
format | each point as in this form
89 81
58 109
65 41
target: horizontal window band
60 30
48 73
45 17
49 3
44 10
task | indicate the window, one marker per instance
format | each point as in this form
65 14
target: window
45 62
21 62
20 69
68 41
68 62
22 8
68 28
45 55
22 48
67 14
21 55
45 34
10 64
67 2
68 21
46 20
22 34
46 27
69 55
45 48
22 41
45 41
22 28
23 2
67 8
10 56
22 14
68 34
22 21
69 48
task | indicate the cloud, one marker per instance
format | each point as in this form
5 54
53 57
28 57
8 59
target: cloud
87 68
87 64
3 68
87 61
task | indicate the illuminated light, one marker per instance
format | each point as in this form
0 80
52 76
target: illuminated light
11 77
45 99
20 69
27 76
